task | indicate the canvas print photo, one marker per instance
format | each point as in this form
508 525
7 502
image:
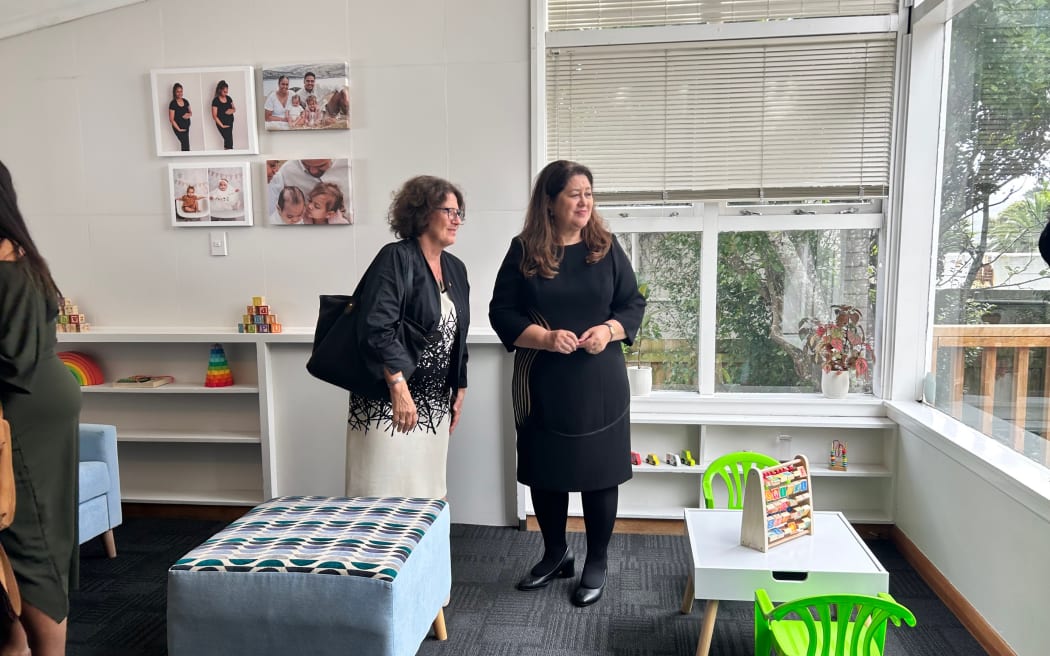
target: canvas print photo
206 195
204 111
309 191
306 96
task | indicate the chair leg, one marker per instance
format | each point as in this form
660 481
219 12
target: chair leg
687 597
110 543
440 633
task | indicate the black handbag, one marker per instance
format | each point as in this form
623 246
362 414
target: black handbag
337 356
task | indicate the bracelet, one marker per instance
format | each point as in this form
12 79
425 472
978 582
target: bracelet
400 379
612 331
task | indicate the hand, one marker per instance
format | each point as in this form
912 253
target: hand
595 339
561 341
457 407
404 417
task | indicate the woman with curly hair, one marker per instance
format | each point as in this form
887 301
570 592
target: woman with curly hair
397 438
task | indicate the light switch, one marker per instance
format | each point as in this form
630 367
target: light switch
218 243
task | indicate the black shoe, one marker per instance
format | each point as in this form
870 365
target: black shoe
586 596
564 569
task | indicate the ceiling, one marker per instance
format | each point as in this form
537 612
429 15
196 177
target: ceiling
20 16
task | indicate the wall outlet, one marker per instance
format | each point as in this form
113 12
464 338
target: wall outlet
218 243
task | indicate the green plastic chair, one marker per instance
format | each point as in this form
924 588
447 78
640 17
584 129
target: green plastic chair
733 468
826 625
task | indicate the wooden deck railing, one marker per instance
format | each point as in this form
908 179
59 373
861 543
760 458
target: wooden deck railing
990 338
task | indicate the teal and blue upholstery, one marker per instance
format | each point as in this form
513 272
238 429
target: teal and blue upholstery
99 484
361 575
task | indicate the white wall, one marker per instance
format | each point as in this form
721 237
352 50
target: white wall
438 87
983 530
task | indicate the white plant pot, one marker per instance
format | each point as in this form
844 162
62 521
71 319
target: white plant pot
640 378
834 384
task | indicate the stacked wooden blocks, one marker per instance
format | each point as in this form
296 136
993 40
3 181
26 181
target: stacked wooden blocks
69 319
260 318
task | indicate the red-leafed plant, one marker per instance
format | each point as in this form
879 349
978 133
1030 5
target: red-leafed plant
838 345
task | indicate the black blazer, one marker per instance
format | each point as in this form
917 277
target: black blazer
383 291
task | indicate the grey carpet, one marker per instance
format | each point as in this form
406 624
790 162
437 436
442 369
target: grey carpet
119 609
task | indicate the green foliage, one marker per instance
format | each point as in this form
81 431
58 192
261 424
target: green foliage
1016 229
998 127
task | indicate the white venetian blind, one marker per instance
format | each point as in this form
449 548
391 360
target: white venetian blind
769 119
603 14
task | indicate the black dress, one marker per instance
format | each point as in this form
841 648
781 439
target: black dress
225 119
42 401
572 412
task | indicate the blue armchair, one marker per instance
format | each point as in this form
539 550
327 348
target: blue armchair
99 485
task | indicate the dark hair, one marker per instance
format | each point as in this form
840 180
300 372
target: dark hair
175 87
542 248
309 74
220 86
283 77
417 198
331 190
295 190
13 228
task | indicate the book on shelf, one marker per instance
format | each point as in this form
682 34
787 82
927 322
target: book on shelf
143 381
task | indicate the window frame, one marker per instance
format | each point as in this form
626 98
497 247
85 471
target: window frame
710 217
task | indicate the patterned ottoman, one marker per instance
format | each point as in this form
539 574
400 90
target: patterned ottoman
319 575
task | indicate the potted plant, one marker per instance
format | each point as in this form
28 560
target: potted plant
839 347
639 376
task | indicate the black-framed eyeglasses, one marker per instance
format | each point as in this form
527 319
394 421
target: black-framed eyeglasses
453 213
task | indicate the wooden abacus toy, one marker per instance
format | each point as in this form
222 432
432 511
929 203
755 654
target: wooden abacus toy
778 505
69 319
260 318
837 459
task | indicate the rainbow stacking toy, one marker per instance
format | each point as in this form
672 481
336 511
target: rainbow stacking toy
83 368
219 374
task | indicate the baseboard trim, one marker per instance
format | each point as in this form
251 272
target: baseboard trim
643 526
183 511
983 632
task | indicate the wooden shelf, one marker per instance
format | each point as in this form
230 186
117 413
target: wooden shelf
182 437
173 388
666 469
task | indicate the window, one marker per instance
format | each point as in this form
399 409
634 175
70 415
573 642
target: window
992 298
743 170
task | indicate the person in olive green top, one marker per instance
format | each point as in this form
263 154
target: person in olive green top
41 400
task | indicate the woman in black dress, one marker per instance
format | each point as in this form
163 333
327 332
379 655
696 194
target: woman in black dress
222 111
42 402
179 114
564 295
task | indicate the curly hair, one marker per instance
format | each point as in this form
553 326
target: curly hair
418 197
542 250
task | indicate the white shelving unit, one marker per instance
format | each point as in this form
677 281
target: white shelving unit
184 442
713 426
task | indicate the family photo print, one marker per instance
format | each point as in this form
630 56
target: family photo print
306 96
309 191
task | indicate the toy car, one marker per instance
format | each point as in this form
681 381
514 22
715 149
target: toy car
653 459
687 458
636 458
672 459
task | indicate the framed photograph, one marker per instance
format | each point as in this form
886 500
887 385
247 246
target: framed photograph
204 111
306 96
205 195
309 191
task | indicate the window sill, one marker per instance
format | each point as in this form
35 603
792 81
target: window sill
1021 479
757 406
